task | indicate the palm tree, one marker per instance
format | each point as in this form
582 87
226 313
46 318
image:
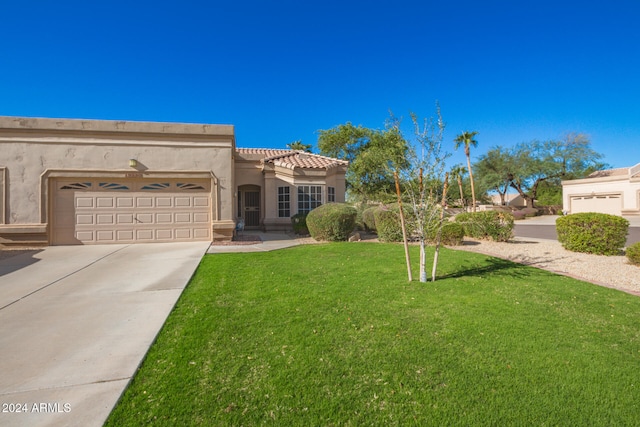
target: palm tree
299 146
466 138
457 172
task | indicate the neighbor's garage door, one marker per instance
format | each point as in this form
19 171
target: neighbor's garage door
605 203
90 211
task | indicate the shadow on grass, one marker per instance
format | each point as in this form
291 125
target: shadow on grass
492 266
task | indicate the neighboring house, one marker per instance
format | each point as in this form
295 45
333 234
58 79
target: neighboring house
92 181
511 199
612 191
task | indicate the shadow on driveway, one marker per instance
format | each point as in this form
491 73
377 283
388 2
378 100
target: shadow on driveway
13 260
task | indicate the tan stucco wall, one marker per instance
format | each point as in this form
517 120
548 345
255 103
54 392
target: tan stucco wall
32 149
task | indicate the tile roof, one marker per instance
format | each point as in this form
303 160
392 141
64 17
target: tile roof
609 172
292 159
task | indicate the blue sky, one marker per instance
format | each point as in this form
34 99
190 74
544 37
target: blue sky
280 70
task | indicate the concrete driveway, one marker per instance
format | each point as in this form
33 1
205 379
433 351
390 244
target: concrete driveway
76 322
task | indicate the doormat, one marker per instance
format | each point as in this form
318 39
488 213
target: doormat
245 239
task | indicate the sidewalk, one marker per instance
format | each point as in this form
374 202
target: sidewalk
257 241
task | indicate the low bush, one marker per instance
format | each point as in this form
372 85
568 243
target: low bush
332 222
368 218
550 210
593 233
452 234
530 212
497 226
388 225
633 254
299 222
518 215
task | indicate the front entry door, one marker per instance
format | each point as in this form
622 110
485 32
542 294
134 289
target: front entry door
252 208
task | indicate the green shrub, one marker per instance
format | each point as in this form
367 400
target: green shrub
530 212
368 218
633 254
518 215
388 225
332 222
593 233
452 234
497 226
299 222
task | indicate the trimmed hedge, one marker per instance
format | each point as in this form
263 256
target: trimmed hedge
452 234
388 225
592 233
633 254
494 225
369 219
333 222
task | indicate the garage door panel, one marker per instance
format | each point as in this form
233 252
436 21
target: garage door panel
144 218
97 213
183 202
164 218
144 235
124 202
164 202
85 236
105 202
201 233
84 219
183 217
201 202
126 218
144 202
84 202
201 217
105 236
103 219
183 233
164 234
124 235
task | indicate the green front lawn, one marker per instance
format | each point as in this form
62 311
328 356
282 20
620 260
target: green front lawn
333 334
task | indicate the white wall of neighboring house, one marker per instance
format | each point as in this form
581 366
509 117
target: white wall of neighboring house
614 192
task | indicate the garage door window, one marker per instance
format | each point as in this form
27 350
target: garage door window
156 186
112 186
189 186
76 186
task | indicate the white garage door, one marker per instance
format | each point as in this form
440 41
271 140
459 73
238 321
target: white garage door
99 211
604 203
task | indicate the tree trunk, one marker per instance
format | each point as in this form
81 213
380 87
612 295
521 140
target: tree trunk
460 188
439 235
473 190
404 229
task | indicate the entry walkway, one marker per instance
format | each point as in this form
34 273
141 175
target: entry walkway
263 242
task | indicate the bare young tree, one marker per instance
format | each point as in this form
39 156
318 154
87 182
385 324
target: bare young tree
423 178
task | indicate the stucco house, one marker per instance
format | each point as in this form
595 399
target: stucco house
68 181
612 191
